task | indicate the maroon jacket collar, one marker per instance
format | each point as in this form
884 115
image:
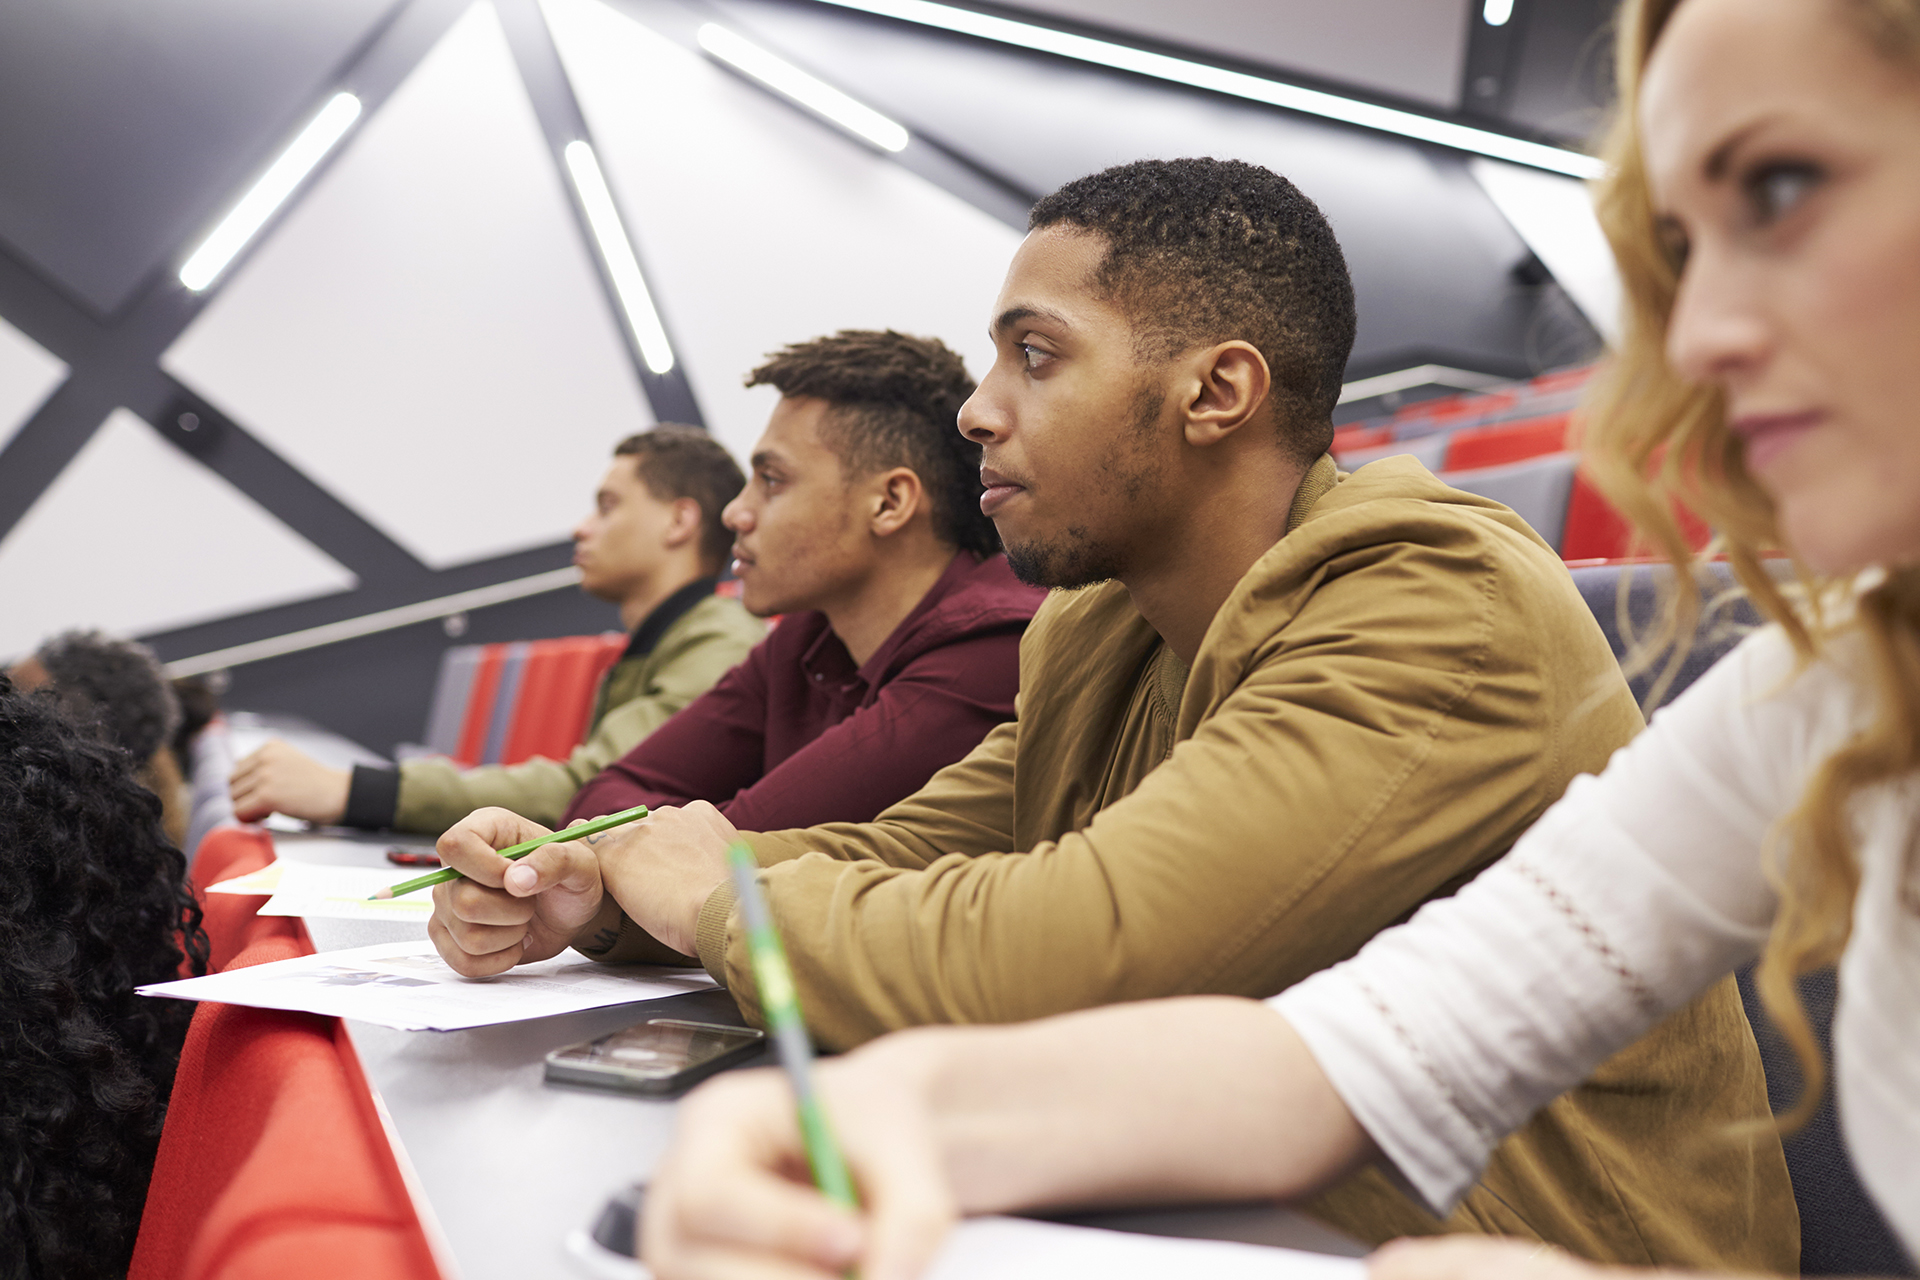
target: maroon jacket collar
970 597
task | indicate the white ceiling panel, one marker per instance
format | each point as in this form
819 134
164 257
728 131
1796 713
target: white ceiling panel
28 374
425 334
1408 48
137 537
759 225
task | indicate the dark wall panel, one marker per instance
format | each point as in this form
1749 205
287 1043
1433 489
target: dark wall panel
375 690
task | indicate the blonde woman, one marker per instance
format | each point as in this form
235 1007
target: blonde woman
1764 202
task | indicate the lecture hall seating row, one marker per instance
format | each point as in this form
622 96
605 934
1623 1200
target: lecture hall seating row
274 1161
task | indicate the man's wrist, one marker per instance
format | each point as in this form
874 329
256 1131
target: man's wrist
601 935
373 798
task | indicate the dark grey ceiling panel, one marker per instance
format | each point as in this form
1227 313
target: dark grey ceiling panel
1433 260
1562 77
127 125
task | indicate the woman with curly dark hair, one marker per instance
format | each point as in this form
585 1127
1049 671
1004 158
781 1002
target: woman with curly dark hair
93 903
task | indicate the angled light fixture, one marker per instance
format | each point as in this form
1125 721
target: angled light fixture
1199 75
617 252
790 81
280 180
1497 12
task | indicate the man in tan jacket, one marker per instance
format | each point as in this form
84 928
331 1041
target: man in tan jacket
1276 709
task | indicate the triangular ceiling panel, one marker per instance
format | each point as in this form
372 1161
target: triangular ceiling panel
28 374
149 539
425 334
760 226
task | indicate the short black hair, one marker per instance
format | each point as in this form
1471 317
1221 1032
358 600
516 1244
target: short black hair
112 688
677 461
1205 250
896 401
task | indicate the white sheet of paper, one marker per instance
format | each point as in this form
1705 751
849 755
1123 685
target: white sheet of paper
1017 1249
262 882
406 985
342 893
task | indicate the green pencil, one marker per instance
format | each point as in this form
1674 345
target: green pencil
445 874
781 1008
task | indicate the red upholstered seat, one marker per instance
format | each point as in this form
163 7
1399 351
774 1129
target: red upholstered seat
1493 446
273 1163
1358 436
555 694
1595 531
486 686
229 918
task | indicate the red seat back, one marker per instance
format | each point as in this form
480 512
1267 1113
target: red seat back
555 696
273 1162
1595 531
229 918
1496 445
1360 437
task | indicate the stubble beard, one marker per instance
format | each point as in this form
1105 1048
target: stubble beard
1080 557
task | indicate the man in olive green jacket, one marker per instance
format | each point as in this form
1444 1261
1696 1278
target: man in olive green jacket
654 544
1278 710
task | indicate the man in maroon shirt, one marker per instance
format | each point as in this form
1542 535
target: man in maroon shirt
899 643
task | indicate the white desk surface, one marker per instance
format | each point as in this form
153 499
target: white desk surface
504 1166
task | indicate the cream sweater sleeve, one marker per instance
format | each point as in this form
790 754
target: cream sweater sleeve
1632 894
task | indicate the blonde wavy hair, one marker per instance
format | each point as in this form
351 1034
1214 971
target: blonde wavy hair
1654 442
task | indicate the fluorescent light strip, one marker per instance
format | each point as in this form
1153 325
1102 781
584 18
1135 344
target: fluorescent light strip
617 252
1497 12
1199 75
275 185
815 95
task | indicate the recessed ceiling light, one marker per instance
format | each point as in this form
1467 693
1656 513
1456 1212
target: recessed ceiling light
1200 75
617 252
280 180
814 94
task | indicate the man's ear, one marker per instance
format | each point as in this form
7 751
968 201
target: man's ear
683 525
1230 388
894 498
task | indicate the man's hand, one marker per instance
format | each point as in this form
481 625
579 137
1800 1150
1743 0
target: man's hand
505 912
733 1197
661 868
279 778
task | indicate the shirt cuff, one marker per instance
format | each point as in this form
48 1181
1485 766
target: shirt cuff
373 798
634 945
710 935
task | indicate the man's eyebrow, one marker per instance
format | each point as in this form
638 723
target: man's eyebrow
764 458
1014 315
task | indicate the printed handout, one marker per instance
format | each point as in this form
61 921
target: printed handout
407 985
1019 1249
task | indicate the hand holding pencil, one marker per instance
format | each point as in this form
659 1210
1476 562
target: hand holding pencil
496 912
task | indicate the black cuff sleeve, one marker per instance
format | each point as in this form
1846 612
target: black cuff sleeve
373 797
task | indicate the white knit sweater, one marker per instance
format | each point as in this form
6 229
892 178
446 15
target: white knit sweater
1631 895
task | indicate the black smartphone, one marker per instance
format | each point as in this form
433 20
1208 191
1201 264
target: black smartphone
658 1056
413 857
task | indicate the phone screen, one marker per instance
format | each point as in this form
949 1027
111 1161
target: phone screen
657 1056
